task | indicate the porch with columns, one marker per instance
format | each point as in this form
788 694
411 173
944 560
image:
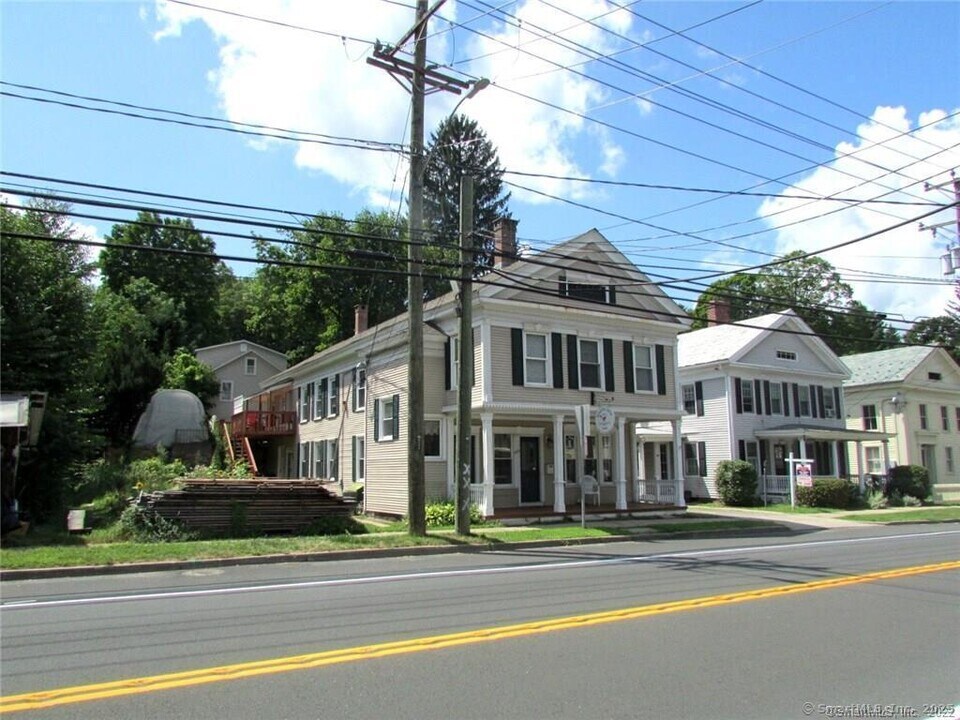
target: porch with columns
562 461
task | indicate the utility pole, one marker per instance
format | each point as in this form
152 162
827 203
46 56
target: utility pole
416 77
416 493
464 389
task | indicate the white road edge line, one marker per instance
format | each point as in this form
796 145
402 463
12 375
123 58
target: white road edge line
37 604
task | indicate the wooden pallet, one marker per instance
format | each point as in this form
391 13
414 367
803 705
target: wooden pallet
263 505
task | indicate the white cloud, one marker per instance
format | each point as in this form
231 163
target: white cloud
907 251
286 78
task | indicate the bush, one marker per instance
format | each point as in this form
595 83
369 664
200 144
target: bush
444 513
909 480
736 482
911 501
828 493
154 474
877 500
335 525
140 525
93 480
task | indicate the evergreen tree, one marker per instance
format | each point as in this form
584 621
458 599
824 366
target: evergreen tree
456 148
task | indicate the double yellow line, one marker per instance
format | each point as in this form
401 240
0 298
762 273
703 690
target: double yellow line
133 686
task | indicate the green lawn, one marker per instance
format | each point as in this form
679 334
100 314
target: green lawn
949 513
43 549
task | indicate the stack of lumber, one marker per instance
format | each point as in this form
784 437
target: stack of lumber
258 504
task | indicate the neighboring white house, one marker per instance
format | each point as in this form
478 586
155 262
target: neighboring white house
240 366
560 333
760 390
913 393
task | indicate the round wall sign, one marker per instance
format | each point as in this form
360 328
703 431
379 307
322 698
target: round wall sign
604 419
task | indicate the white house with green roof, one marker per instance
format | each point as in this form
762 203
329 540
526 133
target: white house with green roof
913 393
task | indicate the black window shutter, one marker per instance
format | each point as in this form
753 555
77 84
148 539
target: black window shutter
742 449
842 470
757 394
447 379
628 374
613 301
836 403
353 455
573 360
766 396
556 342
820 401
785 391
396 417
516 353
661 370
698 393
738 391
796 400
702 458
814 411
376 421
763 456
608 381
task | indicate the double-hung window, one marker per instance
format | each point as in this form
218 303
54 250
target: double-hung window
829 410
944 417
432 439
333 459
869 417
360 390
872 459
776 398
746 393
306 401
591 361
320 403
226 390
319 459
536 359
250 366
386 418
334 396
923 416
502 459
644 369
304 459
803 392
359 458
689 399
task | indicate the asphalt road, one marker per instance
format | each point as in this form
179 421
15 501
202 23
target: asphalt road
743 649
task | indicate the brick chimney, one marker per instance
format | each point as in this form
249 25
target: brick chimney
360 319
718 312
504 241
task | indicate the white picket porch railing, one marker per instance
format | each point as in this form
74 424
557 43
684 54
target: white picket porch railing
777 486
657 491
476 495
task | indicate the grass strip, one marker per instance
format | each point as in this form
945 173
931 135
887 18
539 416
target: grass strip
934 514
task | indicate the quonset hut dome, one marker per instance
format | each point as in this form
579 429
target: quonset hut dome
172 417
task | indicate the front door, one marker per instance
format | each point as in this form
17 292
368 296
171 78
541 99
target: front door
530 470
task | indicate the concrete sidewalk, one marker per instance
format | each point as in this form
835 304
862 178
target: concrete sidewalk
818 520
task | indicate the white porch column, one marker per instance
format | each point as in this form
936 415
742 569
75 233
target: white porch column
678 462
486 420
836 458
861 472
559 466
620 471
886 457
633 473
451 456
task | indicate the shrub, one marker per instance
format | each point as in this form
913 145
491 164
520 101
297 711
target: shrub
911 501
140 525
909 480
154 474
444 513
828 493
877 500
736 482
93 480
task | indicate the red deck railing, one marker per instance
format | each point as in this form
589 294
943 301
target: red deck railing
253 423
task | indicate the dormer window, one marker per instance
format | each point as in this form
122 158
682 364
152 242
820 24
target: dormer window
591 292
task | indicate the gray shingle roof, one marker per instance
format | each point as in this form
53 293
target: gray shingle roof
722 342
884 365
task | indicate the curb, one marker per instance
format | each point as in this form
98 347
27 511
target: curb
375 553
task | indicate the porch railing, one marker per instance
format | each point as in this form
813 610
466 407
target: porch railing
657 491
476 495
265 422
775 485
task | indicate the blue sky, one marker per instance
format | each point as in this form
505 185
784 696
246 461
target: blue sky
825 97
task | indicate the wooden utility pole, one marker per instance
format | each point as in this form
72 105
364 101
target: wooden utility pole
416 77
464 389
